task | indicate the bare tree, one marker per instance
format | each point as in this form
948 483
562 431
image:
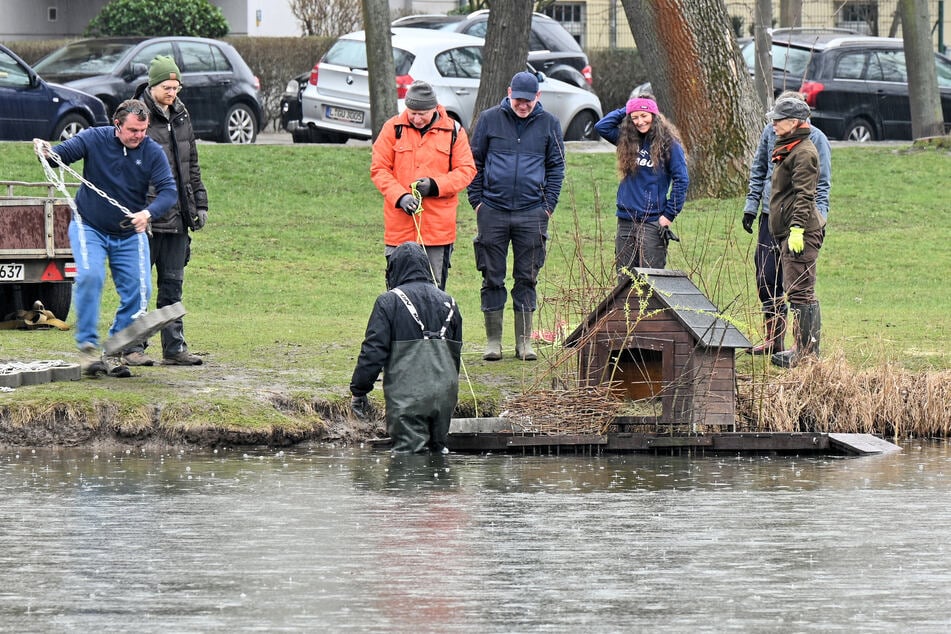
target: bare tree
790 12
380 65
328 18
703 85
926 116
505 51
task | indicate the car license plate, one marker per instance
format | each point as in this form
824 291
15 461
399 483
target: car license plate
11 272
344 114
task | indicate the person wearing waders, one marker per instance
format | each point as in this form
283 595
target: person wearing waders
414 336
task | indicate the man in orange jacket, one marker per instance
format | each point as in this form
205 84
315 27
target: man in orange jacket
424 146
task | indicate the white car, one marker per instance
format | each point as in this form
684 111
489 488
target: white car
335 102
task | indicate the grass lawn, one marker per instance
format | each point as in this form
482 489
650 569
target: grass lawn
282 279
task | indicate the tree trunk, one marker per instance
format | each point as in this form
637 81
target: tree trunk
790 13
703 86
927 118
505 51
380 66
763 79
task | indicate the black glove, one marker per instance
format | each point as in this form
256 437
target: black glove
748 218
360 406
408 203
667 234
427 187
200 219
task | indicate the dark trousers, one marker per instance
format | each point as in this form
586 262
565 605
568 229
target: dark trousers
527 232
769 270
170 254
638 244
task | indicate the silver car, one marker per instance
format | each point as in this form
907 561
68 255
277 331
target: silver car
335 103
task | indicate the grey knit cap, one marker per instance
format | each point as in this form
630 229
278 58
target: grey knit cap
420 96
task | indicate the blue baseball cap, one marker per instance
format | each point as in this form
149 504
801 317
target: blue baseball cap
524 86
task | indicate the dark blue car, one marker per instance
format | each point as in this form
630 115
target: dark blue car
32 108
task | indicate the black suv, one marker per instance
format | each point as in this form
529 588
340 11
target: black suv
551 49
857 86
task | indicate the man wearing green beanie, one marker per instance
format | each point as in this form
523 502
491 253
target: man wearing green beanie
170 244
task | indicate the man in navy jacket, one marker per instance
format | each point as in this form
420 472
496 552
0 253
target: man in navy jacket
519 154
123 162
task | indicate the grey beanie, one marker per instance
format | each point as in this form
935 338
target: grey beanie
420 96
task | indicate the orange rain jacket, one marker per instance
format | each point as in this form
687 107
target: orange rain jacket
399 162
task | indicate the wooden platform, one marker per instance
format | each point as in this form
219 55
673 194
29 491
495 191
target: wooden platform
473 435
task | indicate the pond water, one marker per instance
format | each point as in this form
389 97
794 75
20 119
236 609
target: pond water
331 539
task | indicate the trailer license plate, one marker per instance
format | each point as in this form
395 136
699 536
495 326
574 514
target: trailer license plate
344 114
11 272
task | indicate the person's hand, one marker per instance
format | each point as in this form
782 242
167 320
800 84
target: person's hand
200 219
427 187
796 242
360 406
408 203
748 218
667 234
140 220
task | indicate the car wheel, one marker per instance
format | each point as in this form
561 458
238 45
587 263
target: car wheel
240 126
859 130
69 126
581 127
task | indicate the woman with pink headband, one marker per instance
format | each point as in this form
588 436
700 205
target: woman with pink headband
653 167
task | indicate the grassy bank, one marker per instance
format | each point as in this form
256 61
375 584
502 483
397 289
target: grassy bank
282 280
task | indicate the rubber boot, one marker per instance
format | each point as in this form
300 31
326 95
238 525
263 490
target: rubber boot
523 337
493 335
775 331
806 333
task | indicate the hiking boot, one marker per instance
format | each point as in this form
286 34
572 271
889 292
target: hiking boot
182 358
137 358
90 360
115 367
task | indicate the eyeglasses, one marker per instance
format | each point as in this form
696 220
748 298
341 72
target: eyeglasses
138 111
175 88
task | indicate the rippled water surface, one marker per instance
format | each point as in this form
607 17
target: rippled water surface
350 539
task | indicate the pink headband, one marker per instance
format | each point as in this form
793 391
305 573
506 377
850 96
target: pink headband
639 103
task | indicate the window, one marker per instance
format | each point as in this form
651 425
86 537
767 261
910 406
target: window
460 62
569 15
850 66
893 65
202 58
150 52
12 75
944 73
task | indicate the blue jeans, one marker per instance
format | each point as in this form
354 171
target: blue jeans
527 231
769 270
129 265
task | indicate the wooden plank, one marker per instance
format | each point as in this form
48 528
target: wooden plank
770 441
862 444
562 439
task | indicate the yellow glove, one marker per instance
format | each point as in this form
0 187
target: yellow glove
796 244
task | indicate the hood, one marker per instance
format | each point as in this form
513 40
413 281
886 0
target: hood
408 263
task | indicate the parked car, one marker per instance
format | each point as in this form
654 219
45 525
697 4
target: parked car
32 108
222 94
335 102
857 86
551 49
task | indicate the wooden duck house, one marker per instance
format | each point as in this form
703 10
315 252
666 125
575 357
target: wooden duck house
658 339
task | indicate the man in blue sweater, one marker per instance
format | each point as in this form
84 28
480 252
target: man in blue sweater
124 163
519 154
